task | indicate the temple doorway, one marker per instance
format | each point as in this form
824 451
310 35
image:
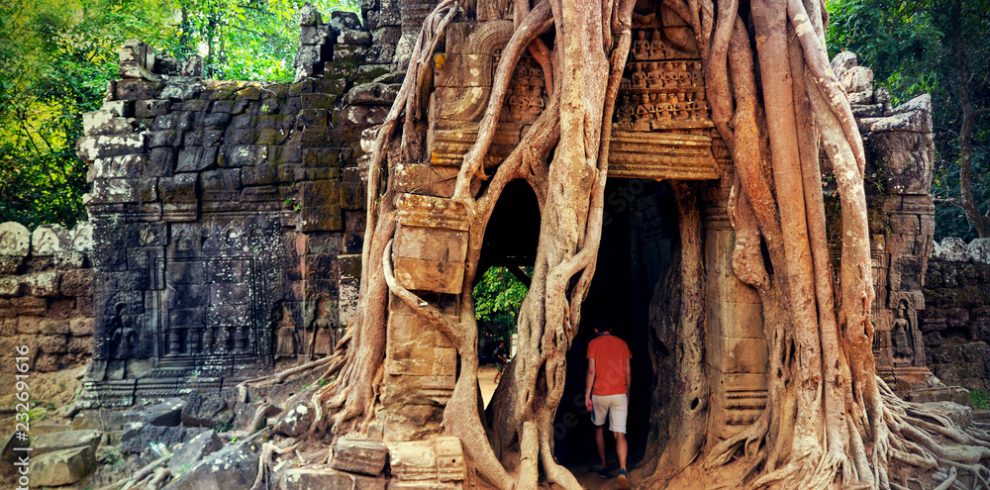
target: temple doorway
639 245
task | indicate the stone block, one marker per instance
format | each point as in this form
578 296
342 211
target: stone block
196 158
245 155
326 479
120 166
165 414
321 157
150 108
450 459
43 284
51 344
28 305
224 179
28 325
62 467
161 162
57 441
188 453
105 122
206 410
979 250
318 101
327 85
165 137
413 460
430 244
15 239
10 286
81 327
81 238
232 467
53 327
359 456
373 93
295 421
136 89
47 240
314 35
342 19
951 249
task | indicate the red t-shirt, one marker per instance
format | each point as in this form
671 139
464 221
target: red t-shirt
611 354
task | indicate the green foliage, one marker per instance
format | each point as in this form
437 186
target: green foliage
979 399
56 58
244 39
911 47
498 295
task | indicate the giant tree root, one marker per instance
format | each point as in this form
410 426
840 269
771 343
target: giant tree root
775 102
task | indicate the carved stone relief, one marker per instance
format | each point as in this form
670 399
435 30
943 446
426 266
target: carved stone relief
662 128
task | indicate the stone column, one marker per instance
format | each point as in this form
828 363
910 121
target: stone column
736 351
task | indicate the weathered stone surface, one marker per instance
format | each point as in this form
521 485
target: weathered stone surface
49 240
232 467
81 238
188 453
57 441
359 456
41 283
62 467
139 438
951 249
295 421
164 414
326 479
15 239
979 250
206 410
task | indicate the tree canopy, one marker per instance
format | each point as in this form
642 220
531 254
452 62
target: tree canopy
933 46
57 57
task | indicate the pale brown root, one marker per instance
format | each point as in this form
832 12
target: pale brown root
536 22
281 376
140 474
689 414
268 451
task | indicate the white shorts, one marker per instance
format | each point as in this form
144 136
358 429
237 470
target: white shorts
617 408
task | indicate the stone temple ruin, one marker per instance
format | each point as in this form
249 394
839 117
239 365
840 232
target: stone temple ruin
227 221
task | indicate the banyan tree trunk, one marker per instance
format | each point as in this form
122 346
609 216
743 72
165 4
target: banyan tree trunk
776 103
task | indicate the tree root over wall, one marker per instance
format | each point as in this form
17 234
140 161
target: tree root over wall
829 421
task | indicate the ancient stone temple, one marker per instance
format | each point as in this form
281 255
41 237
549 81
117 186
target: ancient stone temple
226 215
228 220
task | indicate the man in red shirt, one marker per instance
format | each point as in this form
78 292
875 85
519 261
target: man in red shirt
607 393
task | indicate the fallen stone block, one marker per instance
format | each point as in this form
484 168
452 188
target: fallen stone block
327 479
295 422
57 441
62 467
165 414
229 468
206 410
189 453
359 456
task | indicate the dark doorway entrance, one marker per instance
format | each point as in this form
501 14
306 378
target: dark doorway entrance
639 240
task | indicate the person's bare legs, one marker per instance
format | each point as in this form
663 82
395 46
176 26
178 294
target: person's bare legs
600 441
621 448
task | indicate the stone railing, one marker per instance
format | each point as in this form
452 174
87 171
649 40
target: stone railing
46 296
956 324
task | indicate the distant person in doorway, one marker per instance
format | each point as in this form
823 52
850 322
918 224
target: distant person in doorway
501 359
607 393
